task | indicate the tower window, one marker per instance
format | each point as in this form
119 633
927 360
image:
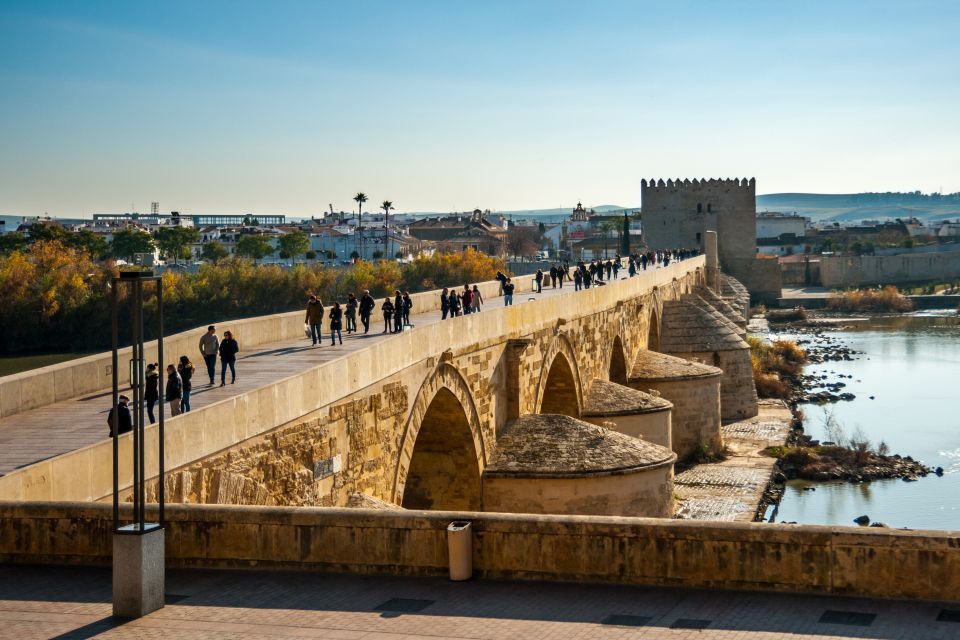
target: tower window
708 207
698 236
699 207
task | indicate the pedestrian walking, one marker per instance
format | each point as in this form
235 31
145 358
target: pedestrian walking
336 323
454 302
466 299
152 389
351 313
185 369
229 348
397 311
173 391
367 304
477 299
553 276
539 280
508 287
407 307
124 420
387 308
444 303
314 317
577 280
209 346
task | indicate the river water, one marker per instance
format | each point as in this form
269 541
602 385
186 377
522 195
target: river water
911 367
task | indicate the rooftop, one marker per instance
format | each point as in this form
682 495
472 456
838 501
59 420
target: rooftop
612 399
651 366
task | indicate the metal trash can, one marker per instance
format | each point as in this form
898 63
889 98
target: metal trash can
460 550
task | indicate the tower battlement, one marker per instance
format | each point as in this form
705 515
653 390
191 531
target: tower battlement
698 183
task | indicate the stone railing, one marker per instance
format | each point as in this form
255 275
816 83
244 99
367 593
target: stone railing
847 561
92 374
85 474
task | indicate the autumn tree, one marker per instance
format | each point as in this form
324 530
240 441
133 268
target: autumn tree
523 241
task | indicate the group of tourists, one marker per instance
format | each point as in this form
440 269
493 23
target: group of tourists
396 315
454 303
179 382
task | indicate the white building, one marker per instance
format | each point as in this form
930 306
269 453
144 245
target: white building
771 224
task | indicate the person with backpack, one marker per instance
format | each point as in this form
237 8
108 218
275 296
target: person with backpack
185 369
336 315
152 389
228 357
351 313
174 390
209 345
387 309
367 305
314 317
125 423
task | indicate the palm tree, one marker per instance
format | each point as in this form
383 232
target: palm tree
386 206
360 198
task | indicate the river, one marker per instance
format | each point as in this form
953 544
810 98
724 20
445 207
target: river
911 366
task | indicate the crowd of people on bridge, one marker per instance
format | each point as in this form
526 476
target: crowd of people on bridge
454 302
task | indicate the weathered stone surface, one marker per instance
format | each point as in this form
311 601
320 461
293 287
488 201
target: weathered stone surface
612 399
555 445
650 366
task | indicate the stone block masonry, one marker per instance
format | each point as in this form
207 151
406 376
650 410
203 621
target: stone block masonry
788 558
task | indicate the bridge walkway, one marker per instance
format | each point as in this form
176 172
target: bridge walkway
55 429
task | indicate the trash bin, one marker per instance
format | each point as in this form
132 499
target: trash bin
460 550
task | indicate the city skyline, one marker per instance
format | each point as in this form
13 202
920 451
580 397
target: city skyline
291 107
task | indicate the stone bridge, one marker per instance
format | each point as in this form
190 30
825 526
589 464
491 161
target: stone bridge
485 412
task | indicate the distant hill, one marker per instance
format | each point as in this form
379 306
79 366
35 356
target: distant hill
841 207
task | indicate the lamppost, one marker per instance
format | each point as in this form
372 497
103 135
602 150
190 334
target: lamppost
138 553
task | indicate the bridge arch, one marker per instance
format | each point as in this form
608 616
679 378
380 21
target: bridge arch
617 370
653 330
442 454
559 389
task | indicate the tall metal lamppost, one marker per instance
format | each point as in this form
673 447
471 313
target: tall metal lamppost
138 545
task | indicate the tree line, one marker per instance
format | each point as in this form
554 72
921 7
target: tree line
56 292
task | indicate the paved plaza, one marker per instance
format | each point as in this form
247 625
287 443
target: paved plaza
74 603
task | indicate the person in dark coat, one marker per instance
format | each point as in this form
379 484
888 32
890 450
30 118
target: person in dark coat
466 299
125 421
336 319
314 317
407 308
577 280
351 313
228 357
553 276
185 369
152 392
367 305
397 311
387 309
539 279
454 303
444 303
174 390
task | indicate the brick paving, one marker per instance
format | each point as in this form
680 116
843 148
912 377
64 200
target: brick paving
46 602
65 426
731 490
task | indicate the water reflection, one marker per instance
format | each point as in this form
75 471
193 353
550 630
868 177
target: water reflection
911 365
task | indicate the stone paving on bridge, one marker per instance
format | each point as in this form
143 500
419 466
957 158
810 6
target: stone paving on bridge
55 429
65 603
731 490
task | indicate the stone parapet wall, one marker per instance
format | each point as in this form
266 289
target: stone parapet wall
847 561
366 422
39 387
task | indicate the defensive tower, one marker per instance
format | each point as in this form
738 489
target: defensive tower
677 213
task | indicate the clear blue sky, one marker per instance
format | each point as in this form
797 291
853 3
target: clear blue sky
288 106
